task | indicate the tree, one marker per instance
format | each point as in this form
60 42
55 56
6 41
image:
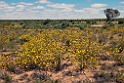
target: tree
111 13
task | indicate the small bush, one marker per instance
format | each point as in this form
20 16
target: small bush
57 26
24 38
5 77
117 54
85 53
120 22
4 61
65 24
81 27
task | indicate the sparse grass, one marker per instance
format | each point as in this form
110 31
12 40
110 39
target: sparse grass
119 77
48 81
11 67
4 76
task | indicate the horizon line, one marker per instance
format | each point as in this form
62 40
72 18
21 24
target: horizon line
62 19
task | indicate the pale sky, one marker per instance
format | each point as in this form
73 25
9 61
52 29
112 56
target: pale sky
56 9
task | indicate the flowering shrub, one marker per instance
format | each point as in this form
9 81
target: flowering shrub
42 52
5 61
46 50
117 54
3 41
85 53
25 38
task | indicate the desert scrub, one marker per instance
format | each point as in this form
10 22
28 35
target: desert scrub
7 63
24 38
7 38
85 53
117 54
4 61
42 51
4 40
46 50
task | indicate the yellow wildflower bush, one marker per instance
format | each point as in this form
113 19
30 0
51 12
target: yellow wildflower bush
42 51
24 38
4 40
5 61
117 50
85 53
118 54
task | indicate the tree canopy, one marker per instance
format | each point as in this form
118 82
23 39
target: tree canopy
111 13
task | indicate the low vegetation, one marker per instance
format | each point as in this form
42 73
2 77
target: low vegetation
80 49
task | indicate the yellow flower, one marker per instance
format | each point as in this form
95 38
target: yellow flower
108 53
72 76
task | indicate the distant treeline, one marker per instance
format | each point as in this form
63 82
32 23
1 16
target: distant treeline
49 23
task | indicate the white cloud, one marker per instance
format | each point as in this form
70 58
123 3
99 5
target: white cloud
38 7
3 4
66 10
79 11
43 2
49 11
21 7
24 3
98 5
91 10
30 10
63 5
20 15
4 7
122 2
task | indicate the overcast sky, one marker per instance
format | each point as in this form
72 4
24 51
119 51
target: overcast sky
57 9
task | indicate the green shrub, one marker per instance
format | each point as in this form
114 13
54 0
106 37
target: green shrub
81 26
57 26
120 22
